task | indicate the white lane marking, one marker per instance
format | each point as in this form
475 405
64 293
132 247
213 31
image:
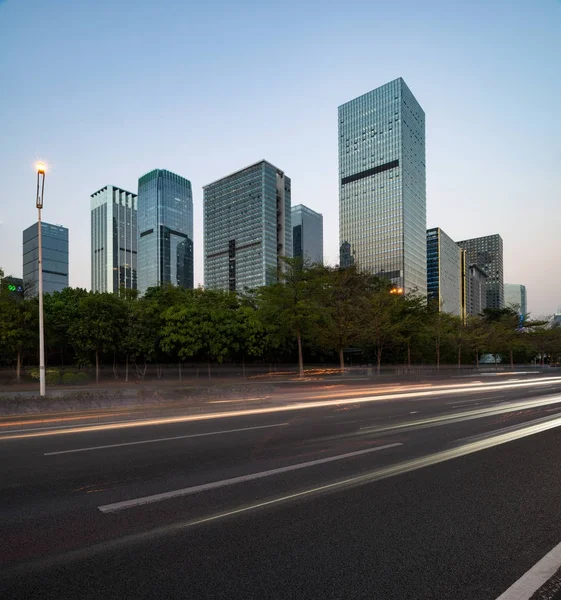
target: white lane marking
532 580
107 508
167 439
377 475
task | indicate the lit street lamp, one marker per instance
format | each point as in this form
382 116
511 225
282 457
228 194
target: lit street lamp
40 191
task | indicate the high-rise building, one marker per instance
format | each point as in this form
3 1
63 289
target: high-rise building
307 234
476 290
54 242
382 185
487 253
247 220
114 239
515 297
444 272
165 230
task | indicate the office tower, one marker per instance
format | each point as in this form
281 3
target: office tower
346 258
476 290
165 230
247 227
54 241
382 187
515 297
464 278
487 253
307 234
114 239
444 272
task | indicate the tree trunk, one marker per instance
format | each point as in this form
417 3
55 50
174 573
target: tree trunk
379 359
97 366
341 360
209 371
127 369
408 354
243 367
115 374
438 357
300 356
459 356
511 359
18 367
179 365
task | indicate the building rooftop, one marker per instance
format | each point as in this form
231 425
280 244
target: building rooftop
114 187
242 170
305 209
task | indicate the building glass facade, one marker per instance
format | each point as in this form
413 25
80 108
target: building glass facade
444 272
476 290
114 239
247 227
55 258
487 253
307 234
165 230
382 185
515 297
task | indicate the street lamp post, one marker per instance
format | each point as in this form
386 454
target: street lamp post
39 204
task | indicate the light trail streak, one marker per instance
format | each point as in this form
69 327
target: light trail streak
433 392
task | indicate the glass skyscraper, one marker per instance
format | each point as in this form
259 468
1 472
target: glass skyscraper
247 223
487 253
515 297
114 234
54 239
307 234
382 185
445 272
165 230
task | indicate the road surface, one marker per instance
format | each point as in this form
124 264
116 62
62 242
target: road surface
443 491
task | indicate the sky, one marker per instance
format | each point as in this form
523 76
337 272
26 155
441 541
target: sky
106 91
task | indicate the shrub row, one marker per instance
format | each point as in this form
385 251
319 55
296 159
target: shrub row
54 377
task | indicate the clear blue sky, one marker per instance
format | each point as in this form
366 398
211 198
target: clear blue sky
107 90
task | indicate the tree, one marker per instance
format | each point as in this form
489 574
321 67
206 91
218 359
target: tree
342 295
381 321
139 335
211 323
18 327
411 320
290 308
439 328
99 326
502 324
61 312
476 335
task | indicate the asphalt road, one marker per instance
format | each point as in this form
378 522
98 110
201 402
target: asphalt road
438 492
